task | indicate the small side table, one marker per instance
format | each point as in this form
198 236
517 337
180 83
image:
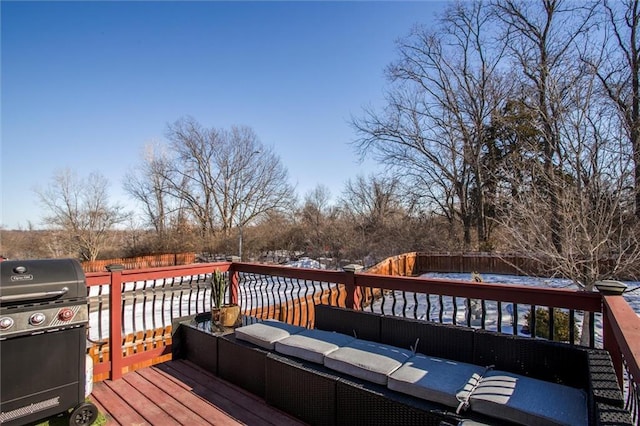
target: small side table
199 340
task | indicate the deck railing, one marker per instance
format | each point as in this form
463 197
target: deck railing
132 311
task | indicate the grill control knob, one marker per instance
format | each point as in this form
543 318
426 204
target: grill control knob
65 314
37 318
5 323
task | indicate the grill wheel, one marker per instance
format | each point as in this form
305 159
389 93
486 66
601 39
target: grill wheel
84 414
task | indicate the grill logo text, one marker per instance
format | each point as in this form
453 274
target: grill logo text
27 277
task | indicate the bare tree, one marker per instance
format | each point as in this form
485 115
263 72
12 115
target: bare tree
149 184
375 209
600 236
447 83
317 217
375 200
225 177
317 205
616 65
276 236
81 208
542 36
320 223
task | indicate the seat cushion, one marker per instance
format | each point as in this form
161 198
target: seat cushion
265 334
367 360
435 379
528 401
312 345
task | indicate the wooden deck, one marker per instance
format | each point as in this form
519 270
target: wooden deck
180 393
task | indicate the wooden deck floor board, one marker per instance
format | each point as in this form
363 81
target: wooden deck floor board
229 398
220 413
184 396
178 392
115 406
160 390
148 408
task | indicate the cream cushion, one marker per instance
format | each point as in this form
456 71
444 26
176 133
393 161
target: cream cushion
435 379
312 345
528 401
367 360
266 333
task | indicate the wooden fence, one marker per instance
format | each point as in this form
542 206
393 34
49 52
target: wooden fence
417 263
510 264
141 262
407 264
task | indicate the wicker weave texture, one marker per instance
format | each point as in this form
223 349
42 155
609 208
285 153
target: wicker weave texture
607 415
550 361
242 364
439 340
201 348
370 405
363 325
301 390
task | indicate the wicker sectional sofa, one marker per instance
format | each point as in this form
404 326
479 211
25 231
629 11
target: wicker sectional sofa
363 368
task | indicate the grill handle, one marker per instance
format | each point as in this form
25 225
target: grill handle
31 296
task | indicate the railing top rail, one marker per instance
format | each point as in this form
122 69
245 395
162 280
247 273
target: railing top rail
466 253
290 272
561 298
97 278
626 328
175 271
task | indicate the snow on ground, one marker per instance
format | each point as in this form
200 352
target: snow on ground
632 295
305 262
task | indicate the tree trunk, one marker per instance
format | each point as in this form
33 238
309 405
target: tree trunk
584 333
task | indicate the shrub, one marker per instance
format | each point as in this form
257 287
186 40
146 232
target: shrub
560 324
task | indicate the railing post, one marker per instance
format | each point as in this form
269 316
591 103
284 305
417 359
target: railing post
610 288
115 320
352 300
610 345
234 280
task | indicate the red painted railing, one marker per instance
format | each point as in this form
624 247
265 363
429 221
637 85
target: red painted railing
622 340
290 293
109 359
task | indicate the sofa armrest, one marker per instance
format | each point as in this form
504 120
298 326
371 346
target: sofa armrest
603 382
607 415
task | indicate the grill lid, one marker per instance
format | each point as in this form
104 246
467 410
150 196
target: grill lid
24 281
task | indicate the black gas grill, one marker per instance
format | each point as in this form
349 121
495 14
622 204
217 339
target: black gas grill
43 323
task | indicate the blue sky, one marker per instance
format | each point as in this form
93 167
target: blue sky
85 85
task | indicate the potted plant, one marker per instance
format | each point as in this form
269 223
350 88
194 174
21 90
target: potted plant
223 314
